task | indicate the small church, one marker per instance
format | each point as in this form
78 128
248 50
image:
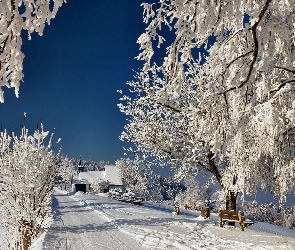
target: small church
109 174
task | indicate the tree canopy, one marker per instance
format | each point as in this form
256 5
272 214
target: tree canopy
222 98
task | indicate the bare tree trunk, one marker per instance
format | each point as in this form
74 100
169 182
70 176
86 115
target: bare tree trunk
27 234
231 198
231 203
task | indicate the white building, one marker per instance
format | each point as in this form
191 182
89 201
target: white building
110 175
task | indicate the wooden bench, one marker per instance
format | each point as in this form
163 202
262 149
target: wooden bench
233 216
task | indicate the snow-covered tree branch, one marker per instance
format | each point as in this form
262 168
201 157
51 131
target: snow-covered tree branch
15 16
140 178
66 171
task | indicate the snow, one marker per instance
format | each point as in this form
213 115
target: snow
110 174
88 221
90 176
38 243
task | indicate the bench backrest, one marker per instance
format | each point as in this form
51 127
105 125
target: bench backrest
231 215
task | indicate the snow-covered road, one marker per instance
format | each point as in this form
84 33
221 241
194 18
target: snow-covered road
99 222
78 227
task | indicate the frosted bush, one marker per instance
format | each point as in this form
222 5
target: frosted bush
28 168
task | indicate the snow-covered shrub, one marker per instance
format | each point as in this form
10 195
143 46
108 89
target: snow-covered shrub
98 185
264 212
289 218
28 168
270 213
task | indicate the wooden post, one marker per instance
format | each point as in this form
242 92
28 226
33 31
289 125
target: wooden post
241 220
205 212
220 219
176 208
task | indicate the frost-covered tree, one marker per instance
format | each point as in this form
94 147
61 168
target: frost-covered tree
194 197
89 165
170 188
139 177
167 133
66 170
222 98
28 168
18 15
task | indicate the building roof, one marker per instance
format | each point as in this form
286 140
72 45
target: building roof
112 175
90 176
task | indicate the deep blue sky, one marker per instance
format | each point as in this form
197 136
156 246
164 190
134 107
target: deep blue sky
72 74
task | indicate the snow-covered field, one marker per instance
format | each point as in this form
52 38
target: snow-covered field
100 222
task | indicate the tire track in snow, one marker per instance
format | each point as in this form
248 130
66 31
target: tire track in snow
158 229
77 227
151 227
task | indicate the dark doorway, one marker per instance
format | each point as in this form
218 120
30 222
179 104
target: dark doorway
80 187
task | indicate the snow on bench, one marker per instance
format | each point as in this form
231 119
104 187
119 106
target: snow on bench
131 198
128 197
138 201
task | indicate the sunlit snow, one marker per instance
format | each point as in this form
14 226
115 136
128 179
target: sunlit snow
88 221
